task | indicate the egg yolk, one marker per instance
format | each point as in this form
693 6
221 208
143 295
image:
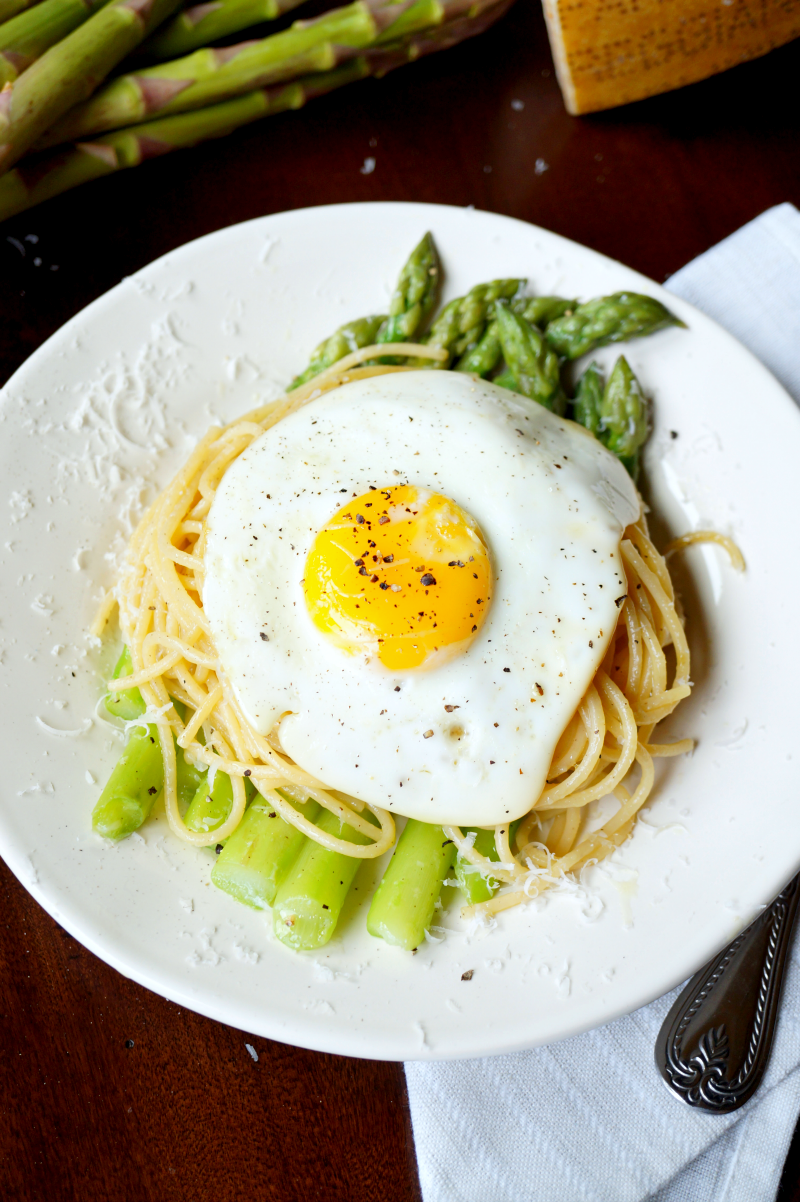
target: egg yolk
402 573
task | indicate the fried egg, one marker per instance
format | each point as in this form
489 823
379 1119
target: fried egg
414 578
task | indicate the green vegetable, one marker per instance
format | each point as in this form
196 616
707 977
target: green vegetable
210 805
128 703
70 70
203 24
310 899
462 322
484 357
348 338
624 416
259 854
539 310
530 360
414 298
606 319
475 886
588 399
209 75
25 37
404 902
132 788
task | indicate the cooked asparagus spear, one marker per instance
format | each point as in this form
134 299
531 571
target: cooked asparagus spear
606 319
414 298
69 71
203 24
617 413
259 854
25 37
50 174
475 886
310 899
403 904
347 338
531 362
588 399
210 804
129 703
539 310
132 788
209 75
624 416
484 356
461 323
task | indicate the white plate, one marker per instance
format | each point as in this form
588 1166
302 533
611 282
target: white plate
105 411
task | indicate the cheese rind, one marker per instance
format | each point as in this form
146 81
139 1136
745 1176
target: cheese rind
611 52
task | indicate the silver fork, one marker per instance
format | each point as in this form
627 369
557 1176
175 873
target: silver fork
715 1042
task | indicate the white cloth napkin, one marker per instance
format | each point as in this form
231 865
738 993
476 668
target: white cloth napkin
588 1120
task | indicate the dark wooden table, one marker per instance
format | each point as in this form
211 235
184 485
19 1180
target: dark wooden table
107 1090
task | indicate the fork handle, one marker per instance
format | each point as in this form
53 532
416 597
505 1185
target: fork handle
715 1042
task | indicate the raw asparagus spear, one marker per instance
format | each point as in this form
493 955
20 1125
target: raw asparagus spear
461 323
26 37
205 23
310 899
533 365
209 75
10 8
606 319
404 902
588 399
69 71
347 338
414 298
50 174
475 886
259 854
132 788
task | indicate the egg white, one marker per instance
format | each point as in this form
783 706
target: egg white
552 504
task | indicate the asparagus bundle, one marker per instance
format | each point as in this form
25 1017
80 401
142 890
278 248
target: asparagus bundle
209 76
26 37
204 23
69 71
54 172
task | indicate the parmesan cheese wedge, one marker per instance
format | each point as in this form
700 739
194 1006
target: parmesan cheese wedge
610 52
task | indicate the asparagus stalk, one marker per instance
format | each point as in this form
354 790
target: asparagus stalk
70 71
257 857
209 75
205 23
26 37
211 803
403 904
617 413
461 323
624 416
414 297
310 899
530 361
349 337
607 319
10 8
132 788
539 310
588 399
50 174
475 886
128 703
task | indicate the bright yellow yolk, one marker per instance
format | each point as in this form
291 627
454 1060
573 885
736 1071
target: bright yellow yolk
401 573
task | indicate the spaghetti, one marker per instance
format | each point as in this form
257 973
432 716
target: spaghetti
609 739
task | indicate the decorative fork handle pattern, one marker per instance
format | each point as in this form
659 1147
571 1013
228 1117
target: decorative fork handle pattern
714 1045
